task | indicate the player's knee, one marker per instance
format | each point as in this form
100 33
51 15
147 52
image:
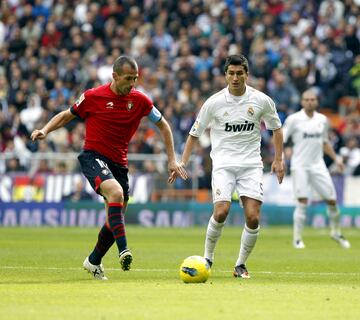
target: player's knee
221 211
252 221
331 203
220 217
116 195
302 201
333 210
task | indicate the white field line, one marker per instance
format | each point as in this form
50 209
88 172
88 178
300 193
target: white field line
174 270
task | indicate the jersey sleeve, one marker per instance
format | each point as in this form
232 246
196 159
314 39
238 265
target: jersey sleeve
202 121
270 115
147 103
81 106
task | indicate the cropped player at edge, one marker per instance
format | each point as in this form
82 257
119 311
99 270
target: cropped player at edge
112 113
233 116
308 131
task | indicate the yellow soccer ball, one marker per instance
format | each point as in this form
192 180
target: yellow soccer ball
194 269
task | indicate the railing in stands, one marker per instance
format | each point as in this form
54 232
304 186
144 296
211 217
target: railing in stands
138 164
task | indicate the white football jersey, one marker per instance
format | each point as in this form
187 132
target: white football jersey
234 124
308 136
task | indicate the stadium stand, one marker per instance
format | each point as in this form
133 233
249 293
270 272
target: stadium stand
52 50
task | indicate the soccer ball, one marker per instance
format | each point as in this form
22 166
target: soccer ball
194 269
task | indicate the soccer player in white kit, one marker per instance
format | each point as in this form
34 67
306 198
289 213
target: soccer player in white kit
308 131
234 115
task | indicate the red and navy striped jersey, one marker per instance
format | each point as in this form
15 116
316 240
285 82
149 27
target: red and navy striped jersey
111 120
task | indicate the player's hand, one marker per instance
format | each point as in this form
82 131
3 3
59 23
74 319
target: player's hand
37 135
172 177
177 170
278 167
340 164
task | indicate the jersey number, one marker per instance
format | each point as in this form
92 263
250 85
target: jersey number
102 163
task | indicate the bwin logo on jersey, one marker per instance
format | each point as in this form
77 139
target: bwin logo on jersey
312 135
246 126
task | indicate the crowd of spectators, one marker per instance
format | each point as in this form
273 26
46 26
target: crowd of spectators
53 50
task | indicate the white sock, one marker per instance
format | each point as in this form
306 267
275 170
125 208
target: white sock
299 218
213 234
334 219
247 243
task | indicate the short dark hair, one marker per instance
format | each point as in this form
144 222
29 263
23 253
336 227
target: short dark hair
121 61
237 60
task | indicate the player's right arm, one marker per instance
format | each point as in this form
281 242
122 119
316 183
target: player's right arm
189 146
202 121
196 131
56 122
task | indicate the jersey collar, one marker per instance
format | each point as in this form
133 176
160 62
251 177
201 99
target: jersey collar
229 97
305 114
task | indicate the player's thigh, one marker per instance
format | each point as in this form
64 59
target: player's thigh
249 183
301 183
121 175
321 181
223 184
111 190
95 168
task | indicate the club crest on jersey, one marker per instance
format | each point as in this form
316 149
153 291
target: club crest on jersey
250 111
130 105
195 126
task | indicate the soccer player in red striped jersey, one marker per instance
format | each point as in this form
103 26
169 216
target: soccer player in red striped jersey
112 113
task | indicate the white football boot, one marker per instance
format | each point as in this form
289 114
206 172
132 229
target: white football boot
96 270
299 244
340 239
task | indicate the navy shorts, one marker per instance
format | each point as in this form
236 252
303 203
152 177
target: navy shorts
97 168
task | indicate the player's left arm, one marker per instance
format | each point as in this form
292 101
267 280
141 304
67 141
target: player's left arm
329 150
278 164
272 122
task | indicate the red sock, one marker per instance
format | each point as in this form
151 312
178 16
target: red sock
117 225
105 241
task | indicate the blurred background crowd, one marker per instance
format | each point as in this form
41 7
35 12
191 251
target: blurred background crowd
53 50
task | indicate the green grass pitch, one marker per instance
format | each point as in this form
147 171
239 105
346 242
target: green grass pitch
41 276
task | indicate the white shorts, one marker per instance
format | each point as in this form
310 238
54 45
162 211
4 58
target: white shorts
246 181
318 180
